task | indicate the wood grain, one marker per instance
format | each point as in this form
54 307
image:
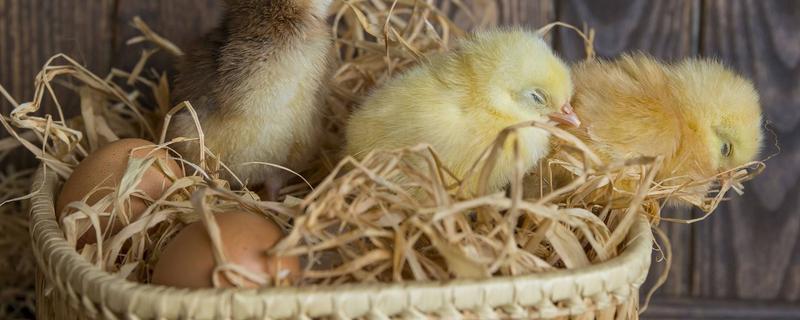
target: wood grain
180 21
527 13
704 309
751 248
530 14
680 271
33 31
665 29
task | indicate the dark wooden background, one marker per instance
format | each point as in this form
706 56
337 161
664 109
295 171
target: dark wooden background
743 263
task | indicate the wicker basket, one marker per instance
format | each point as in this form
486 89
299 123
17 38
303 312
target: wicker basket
68 287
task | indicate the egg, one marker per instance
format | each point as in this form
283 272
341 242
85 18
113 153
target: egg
104 168
187 261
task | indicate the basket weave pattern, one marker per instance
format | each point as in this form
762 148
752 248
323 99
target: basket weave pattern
69 287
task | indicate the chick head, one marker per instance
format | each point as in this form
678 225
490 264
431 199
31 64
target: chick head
722 109
516 75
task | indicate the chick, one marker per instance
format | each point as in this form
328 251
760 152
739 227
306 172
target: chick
459 101
700 116
257 84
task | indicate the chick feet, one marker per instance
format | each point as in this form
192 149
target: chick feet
271 189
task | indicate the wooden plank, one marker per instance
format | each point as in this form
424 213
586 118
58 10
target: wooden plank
751 248
680 276
180 21
33 31
527 13
665 29
531 14
691 309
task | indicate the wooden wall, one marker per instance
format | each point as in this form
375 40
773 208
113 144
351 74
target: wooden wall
742 263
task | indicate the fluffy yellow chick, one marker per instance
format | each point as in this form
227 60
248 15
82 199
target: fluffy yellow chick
702 117
257 83
459 101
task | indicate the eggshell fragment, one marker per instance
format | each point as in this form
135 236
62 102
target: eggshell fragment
103 170
188 260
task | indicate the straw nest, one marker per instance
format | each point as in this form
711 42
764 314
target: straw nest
350 221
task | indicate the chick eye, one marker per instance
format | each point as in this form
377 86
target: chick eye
726 149
538 96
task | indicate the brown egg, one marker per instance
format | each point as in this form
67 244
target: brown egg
105 168
188 262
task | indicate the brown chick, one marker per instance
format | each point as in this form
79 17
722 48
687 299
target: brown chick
700 116
257 84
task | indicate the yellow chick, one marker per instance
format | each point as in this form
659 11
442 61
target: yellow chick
258 83
459 101
702 117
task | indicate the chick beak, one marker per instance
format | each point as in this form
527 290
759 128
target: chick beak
566 116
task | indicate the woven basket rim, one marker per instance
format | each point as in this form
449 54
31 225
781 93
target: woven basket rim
97 291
